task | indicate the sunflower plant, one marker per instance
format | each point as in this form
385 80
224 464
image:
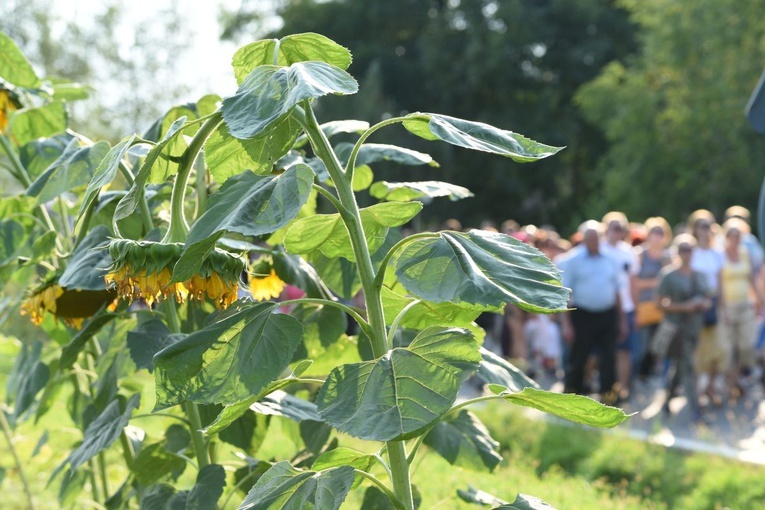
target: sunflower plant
163 256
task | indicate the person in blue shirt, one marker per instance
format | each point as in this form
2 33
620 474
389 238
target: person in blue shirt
596 321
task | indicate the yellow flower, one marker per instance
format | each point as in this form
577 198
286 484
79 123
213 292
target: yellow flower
40 302
267 287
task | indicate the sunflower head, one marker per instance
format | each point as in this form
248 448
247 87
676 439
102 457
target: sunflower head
143 270
71 306
264 282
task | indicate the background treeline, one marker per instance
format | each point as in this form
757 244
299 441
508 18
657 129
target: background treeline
647 95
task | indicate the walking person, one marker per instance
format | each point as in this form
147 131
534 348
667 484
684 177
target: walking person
739 305
617 229
683 295
653 256
596 320
710 355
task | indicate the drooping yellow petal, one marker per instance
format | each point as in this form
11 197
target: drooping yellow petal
268 287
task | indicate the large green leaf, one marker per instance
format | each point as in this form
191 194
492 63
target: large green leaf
106 171
322 325
403 392
211 480
285 488
14 242
293 48
406 191
227 361
464 441
477 136
496 370
374 152
101 433
147 340
40 153
32 123
341 275
481 268
28 377
342 456
73 168
425 313
14 67
576 408
227 156
269 93
327 233
89 262
155 462
248 204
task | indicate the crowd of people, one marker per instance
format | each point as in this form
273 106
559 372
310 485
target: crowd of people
647 300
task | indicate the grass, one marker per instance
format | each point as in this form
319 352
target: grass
569 467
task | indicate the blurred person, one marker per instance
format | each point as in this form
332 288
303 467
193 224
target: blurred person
748 239
710 355
452 224
617 229
683 295
597 318
489 225
508 227
653 255
739 305
543 336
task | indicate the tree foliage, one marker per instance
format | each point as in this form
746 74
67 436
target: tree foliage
674 113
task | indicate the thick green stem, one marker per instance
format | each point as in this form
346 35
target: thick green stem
178 226
391 496
357 147
19 466
378 334
201 187
200 447
190 408
128 453
402 485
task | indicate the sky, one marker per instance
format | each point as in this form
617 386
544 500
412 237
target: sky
205 46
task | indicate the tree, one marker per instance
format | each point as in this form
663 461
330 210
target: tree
674 113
